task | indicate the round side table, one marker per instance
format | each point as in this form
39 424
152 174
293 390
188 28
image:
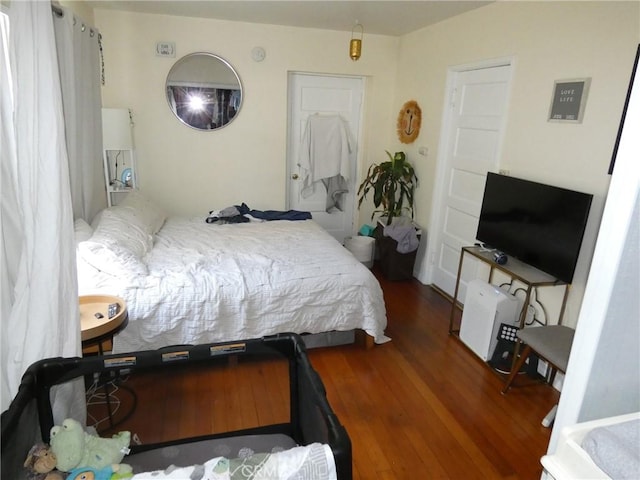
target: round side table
99 325
96 323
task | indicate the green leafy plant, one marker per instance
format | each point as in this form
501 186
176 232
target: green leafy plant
393 183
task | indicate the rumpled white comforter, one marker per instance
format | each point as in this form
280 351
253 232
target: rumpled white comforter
211 283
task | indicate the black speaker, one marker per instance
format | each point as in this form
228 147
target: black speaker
500 258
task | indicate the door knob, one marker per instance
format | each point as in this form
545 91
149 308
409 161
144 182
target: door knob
294 176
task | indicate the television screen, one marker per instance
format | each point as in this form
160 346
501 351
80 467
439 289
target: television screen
539 224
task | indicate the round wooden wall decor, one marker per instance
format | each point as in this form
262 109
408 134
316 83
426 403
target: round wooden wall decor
409 120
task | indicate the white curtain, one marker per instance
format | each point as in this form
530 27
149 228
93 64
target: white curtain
79 62
40 316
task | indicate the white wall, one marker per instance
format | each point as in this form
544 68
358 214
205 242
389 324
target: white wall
547 41
603 375
191 172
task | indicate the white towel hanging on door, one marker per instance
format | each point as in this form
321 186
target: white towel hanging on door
324 152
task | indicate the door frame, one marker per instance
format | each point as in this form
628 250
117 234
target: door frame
358 136
425 272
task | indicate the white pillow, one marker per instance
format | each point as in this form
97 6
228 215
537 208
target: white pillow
118 244
111 258
121 226
82 229
148 212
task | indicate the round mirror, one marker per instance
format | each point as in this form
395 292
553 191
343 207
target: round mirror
204 91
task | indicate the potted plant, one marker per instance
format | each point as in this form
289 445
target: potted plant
393 184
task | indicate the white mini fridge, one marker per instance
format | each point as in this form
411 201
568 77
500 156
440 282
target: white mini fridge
485 308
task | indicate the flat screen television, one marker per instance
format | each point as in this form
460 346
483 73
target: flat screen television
539 224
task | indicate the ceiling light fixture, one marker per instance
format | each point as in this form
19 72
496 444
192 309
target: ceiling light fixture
355 45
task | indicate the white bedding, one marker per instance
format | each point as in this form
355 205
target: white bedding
312 462
211 283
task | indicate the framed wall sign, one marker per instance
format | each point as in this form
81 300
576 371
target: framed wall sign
568 100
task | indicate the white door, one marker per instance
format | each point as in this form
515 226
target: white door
472 145
323 95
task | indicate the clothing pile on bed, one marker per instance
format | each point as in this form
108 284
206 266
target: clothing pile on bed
243 214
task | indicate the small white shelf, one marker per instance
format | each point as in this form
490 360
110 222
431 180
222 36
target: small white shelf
115 162
112 189
118 153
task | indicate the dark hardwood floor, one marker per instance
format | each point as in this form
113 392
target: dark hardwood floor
420 406
424 406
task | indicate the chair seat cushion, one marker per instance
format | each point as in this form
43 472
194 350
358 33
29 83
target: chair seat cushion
552 342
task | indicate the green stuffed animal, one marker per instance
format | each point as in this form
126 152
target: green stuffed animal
73 447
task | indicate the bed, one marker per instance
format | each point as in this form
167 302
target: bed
186 281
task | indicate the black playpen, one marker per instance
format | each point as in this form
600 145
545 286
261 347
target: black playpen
126 402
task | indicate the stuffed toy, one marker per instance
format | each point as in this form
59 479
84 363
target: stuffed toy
41 464
111 472
73 447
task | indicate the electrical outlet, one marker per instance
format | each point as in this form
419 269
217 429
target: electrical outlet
543 367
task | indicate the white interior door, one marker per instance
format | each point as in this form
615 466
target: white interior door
472 148
324 95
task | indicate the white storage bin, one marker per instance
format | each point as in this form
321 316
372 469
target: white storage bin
363 248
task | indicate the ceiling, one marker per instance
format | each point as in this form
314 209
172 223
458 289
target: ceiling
375 15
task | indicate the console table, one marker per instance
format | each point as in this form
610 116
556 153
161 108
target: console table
531 277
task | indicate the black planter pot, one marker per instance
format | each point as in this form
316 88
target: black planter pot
395 266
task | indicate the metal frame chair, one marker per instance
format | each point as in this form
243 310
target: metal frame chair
552 343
